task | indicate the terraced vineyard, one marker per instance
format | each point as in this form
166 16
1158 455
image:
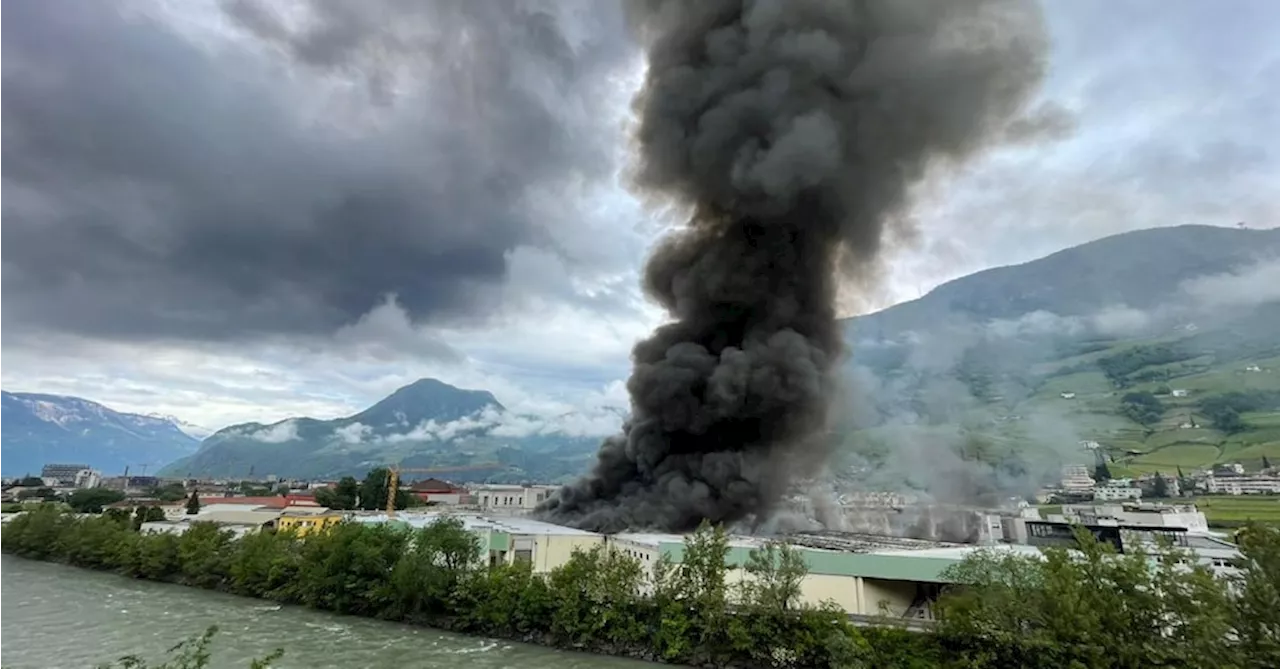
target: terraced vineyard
1183 429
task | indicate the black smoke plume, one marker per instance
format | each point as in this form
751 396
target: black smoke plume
792 131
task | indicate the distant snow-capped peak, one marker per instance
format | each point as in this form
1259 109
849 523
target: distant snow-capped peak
192 430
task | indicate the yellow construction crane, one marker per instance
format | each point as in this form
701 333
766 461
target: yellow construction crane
394 471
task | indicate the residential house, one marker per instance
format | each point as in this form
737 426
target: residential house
436 491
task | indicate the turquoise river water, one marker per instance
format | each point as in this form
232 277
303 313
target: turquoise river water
58 616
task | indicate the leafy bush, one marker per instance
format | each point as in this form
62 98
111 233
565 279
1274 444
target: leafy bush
1089 608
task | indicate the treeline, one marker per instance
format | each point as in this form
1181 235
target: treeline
1142 407
1118 367
369 494
1224 410
1084 609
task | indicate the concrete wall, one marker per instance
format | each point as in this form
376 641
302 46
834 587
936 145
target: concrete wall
843 590
551 551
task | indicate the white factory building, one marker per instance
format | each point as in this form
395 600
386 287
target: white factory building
864 574
1260 484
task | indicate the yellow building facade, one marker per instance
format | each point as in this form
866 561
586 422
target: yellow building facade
302 523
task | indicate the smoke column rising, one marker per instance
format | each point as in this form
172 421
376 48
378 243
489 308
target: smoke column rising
792 131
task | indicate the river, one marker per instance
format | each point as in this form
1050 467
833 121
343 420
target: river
57 616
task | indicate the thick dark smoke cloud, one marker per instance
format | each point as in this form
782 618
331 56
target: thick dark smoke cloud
157 186
793 131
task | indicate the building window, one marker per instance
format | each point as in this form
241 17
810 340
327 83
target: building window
523 556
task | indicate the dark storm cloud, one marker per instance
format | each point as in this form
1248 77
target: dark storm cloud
154 188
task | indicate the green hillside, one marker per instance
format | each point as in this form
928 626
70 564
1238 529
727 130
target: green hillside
1016 408
960 394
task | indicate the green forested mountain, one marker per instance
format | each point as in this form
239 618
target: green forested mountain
467 434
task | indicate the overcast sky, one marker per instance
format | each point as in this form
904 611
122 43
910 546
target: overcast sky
249 210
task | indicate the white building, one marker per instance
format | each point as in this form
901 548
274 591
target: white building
1260 484
511 497
1116 489
506 539
1184 516
1076 478
88 478
240 522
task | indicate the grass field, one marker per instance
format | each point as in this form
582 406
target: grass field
1240 508
1095 413
1219 510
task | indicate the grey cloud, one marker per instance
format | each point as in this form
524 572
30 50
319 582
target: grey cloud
156 189
1176 120
1247 287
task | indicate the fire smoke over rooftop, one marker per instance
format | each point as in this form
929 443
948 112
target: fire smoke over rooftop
792 132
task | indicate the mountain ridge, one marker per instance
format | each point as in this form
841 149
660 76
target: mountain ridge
1153 262
425 424
43 428
992 348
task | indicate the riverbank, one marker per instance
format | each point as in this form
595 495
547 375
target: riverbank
1085 608
65 617
598 602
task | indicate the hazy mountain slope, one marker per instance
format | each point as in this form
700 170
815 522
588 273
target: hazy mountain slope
41 429
989 383
427 424
1142 270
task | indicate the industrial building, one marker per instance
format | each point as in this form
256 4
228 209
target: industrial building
511 498
863 574
243 515
62 475
507 539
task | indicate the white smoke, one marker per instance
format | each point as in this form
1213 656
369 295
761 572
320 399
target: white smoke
275 434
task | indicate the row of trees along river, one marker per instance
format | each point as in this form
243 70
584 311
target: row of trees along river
1087 608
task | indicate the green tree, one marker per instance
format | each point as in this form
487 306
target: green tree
1160 488
169 492
342 497
92 500
204 555
264 564
193 503
597 597
777 571
1142 407
374 489
44 493
192 653
146 514
1086 608
1257 606
426 579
